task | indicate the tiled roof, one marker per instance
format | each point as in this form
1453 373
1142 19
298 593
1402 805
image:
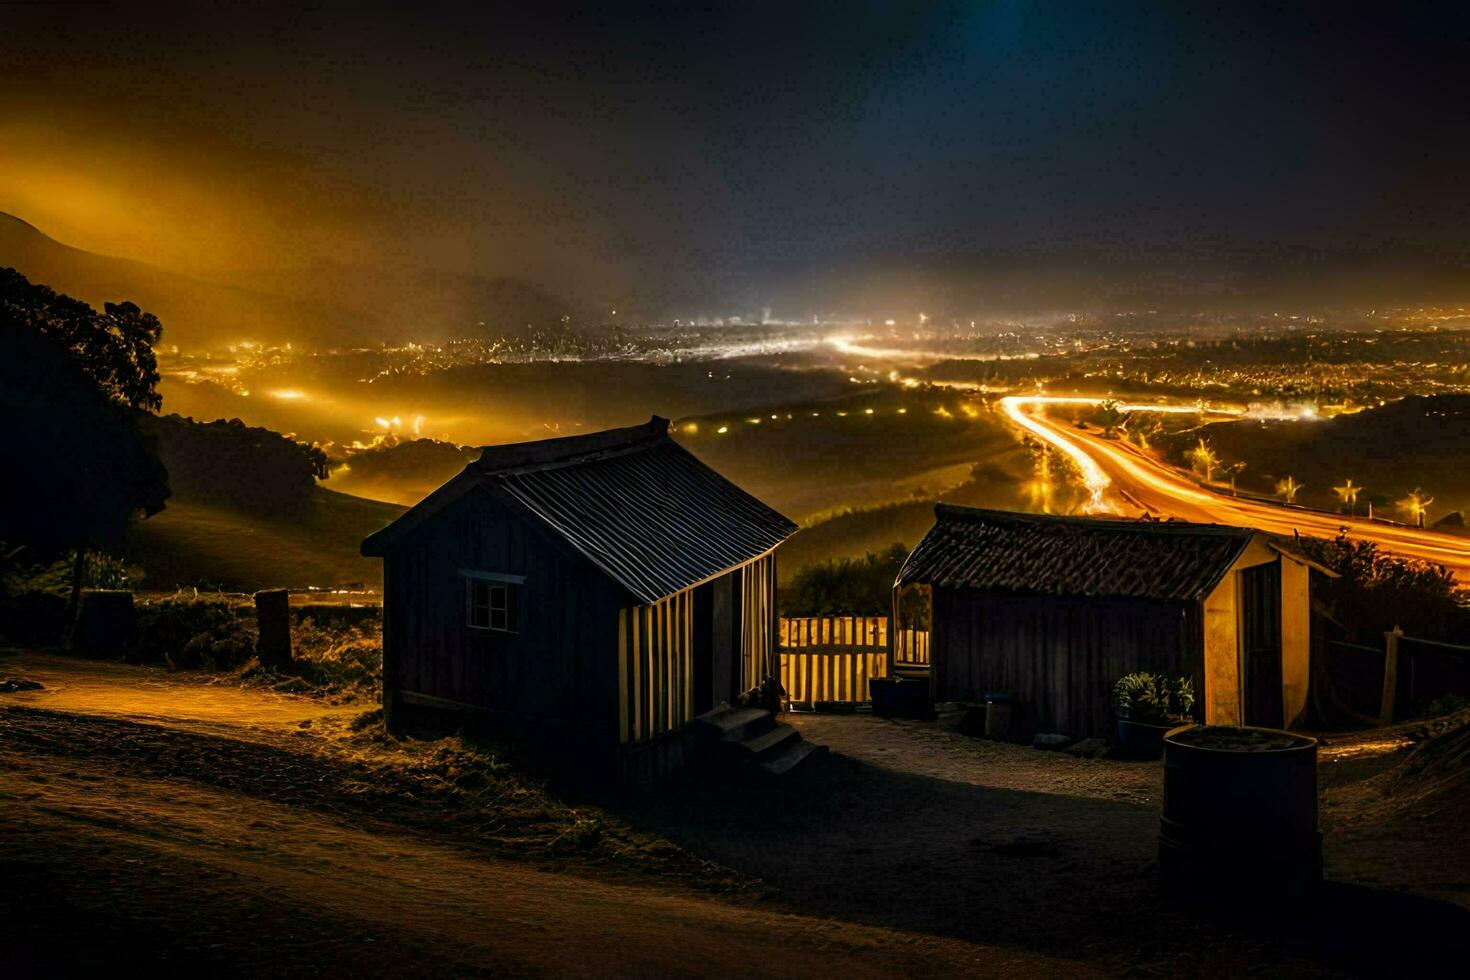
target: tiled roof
637 505
1033 554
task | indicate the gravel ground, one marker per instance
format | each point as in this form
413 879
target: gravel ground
915 825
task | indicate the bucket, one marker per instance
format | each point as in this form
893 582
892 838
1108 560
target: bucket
997 715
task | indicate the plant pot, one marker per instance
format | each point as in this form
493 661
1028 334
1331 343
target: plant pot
897 697
1140 740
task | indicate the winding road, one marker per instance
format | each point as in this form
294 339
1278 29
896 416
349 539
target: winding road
1124 479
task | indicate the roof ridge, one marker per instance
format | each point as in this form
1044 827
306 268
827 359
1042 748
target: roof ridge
567 450
943 512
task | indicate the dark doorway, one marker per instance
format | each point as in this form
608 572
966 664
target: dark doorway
719 681
703 653
1260 645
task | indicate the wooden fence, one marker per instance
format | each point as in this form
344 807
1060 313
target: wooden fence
830 659
1418 672
1393 682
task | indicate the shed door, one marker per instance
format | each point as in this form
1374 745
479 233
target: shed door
704 648
724 629
1260 644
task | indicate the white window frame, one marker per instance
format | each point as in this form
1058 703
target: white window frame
509 587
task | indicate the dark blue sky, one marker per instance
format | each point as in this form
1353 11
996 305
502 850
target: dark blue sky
757 151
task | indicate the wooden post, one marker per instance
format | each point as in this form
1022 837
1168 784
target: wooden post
273 620
104 623
1390 675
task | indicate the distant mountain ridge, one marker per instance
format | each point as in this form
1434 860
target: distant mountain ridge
340 305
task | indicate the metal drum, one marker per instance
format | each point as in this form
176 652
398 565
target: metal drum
1240 813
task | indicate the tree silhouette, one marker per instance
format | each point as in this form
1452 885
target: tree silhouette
1416 504
241 466
1348 494
1142 427
1204 460
1288 488
1110 417
72 384
1234 469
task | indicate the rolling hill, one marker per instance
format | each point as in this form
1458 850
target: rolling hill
192 544
194 312
1419 441
325 305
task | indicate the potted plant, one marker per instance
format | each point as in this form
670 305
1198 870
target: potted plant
1148 705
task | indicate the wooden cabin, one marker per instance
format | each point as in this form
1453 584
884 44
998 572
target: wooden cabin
1053 610
591 594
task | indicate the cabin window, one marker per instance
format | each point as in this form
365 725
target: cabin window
492 603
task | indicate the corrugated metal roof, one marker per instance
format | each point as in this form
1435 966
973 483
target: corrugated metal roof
1037 554
641 508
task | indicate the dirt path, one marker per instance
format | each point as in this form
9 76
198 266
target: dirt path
150 822
155 820
150 694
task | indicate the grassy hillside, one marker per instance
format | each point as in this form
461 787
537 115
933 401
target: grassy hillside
194 544
1388 451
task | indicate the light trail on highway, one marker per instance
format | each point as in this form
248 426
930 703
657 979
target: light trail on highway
1124 479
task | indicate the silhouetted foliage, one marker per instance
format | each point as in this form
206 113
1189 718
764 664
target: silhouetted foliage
237 465
113 348
845 586
188 632
1376 592
72 384
415 460
33 594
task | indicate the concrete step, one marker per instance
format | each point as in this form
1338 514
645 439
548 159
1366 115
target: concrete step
791 756
767 743
736 724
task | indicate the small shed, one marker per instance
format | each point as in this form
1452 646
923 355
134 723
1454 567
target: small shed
1053 610
593 593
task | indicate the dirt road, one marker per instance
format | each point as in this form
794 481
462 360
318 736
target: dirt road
151 822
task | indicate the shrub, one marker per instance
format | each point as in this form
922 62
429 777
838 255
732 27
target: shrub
33 616
34 593
338 660
846 586
1445 704
216 651
193 631
1374 592
1153 699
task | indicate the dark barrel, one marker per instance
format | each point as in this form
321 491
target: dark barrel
1240 813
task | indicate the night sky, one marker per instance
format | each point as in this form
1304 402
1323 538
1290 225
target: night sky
745 154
